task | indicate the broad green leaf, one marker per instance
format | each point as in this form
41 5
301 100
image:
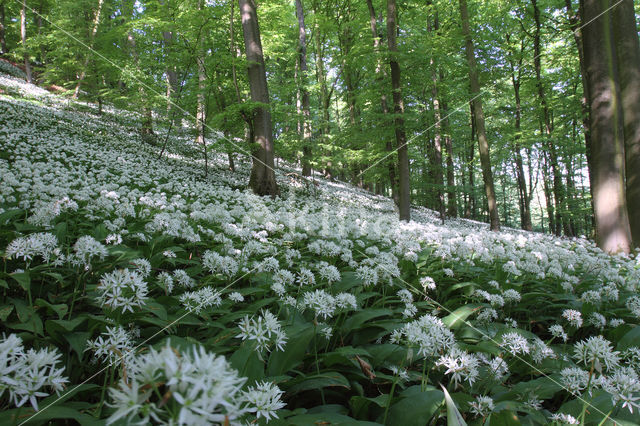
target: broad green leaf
318 381
294 351
248 363
5 311
23 279
357 320
456 318
632 338
454 418
417 408
60 309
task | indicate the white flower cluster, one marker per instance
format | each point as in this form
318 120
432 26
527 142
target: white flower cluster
115 346
122 289
428 333
26 374
196 301
265 330
191 388
43 244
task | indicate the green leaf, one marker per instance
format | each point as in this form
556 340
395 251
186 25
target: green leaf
5 311
324 419
23 279
417 408
8 215
55 412
4 284
248 363
454 418
356 321
319 381
60 309
78 341
456 318
630 339
294 351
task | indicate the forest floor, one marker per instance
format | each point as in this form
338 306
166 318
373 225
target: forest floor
149 291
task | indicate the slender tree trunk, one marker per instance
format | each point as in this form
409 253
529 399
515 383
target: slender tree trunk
171 73
325 94
23 36
437 140
558 191
524 200
483 144
92 37
548 195
3 41
398 108
470 206
381 77
304 92
263 179
628 52
607 129
452 205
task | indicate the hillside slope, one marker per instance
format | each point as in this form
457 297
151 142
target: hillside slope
357 317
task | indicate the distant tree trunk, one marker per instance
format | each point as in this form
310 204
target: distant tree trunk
171 73
92 37
201 110
381 77
398 108
304 92
437 140
607 129
558 191
23 36
263 179
628 52
524 198
483 144
3 41
470 206
452 205
325 94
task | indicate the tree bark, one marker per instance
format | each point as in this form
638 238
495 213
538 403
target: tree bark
3 41
263 179
437 139
524 197
381 77
23 37
92 37
404 189
628 53
607 130
483 144
558 191
304 91
452 205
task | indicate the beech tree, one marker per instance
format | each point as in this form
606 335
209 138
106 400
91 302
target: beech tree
263 179
478 115
607 128
404 190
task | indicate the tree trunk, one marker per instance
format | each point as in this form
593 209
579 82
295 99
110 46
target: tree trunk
304 92
92 36
470 206
3 41
483 144
437 140
398 108
607 130
628 52
23 36
381 77
452 205
558 191
263 179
